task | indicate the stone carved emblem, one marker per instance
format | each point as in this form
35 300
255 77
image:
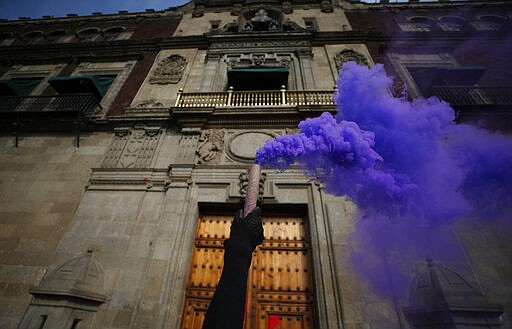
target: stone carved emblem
132 148
169 70
210 146
348 55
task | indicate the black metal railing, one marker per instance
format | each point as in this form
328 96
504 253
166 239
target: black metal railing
56 112
471 95
84 104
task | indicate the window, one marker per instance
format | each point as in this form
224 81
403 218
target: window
113 33
89 34
492 23
55 36
422 24
452 23
42 321
33 37
75 323
95 84
258 78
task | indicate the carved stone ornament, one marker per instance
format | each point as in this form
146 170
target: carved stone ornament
258 60
348 55
326 6
148 103
169 70
132 148
244 181
210 146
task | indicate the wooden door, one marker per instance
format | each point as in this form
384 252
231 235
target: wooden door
279 292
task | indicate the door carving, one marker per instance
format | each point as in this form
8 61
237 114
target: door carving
279 291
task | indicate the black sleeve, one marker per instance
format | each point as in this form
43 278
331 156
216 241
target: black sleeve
226 310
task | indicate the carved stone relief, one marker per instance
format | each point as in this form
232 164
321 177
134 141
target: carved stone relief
210 146
169 70
132 148
148 103
242 146
258 59
348 55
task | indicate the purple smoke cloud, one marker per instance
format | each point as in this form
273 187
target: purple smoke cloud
406 165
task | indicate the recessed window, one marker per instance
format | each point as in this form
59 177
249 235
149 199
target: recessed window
33 37
422 24
89 34
75 323
452 23
55 36
113 32
42 321
492 23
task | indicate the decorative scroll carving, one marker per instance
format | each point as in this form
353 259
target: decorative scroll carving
244 181
132 148
169 70
210 147
348 55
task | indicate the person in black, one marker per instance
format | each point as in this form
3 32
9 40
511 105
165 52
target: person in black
226 310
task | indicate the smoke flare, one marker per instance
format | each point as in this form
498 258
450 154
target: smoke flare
406 165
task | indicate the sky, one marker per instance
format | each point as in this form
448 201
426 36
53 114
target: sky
10 9
60 8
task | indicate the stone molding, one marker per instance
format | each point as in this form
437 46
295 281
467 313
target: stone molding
169 70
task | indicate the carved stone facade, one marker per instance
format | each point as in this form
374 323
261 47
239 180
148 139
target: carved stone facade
169 70
101 236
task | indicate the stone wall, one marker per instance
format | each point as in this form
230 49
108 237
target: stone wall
41 185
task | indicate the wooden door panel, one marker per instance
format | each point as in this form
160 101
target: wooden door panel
279 286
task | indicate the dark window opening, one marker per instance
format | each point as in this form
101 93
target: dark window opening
97 85
43 321
75 323
258 78
445 76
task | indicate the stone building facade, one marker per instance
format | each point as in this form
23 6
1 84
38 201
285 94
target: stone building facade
125 141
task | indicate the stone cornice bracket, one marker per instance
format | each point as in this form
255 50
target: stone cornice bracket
179 176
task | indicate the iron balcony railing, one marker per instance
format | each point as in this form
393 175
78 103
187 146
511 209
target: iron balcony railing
265 98
84 105
56 112
470 95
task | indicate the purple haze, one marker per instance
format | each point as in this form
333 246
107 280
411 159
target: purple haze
406 165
